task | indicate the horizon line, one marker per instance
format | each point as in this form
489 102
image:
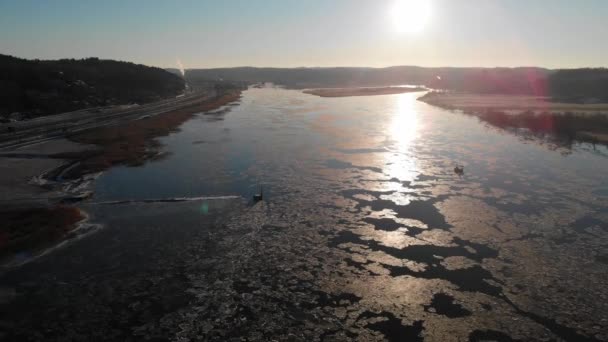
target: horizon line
322 67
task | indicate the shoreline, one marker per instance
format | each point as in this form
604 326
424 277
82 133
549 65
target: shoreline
61 173
134 142
28 233
361 91
566 122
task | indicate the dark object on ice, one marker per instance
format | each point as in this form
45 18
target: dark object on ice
459 170
260 196
77 198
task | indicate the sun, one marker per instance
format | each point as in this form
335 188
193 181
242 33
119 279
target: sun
410 16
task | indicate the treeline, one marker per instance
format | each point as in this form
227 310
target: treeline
496 80
575 85
42 87
580 85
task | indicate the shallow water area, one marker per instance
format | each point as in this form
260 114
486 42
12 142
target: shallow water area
366 232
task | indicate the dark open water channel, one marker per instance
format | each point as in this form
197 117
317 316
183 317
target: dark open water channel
366 234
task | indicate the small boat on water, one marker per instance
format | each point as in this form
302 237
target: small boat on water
260 196
459 170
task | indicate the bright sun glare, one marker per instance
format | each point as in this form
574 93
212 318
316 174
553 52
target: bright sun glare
410 16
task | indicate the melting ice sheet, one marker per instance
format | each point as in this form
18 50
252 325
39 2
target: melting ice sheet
366 233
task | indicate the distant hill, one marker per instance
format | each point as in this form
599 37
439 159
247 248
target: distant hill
43 87
564 85
496 80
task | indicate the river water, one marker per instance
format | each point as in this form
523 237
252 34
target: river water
365 232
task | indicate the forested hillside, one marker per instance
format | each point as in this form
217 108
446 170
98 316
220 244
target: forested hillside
42 87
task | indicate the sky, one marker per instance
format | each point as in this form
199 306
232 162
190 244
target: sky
309 33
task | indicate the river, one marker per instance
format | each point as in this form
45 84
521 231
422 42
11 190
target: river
366 232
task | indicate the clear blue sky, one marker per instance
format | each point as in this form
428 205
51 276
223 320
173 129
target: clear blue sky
290 33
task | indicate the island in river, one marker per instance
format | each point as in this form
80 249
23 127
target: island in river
366 91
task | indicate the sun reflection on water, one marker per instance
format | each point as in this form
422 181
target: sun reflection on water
402 133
